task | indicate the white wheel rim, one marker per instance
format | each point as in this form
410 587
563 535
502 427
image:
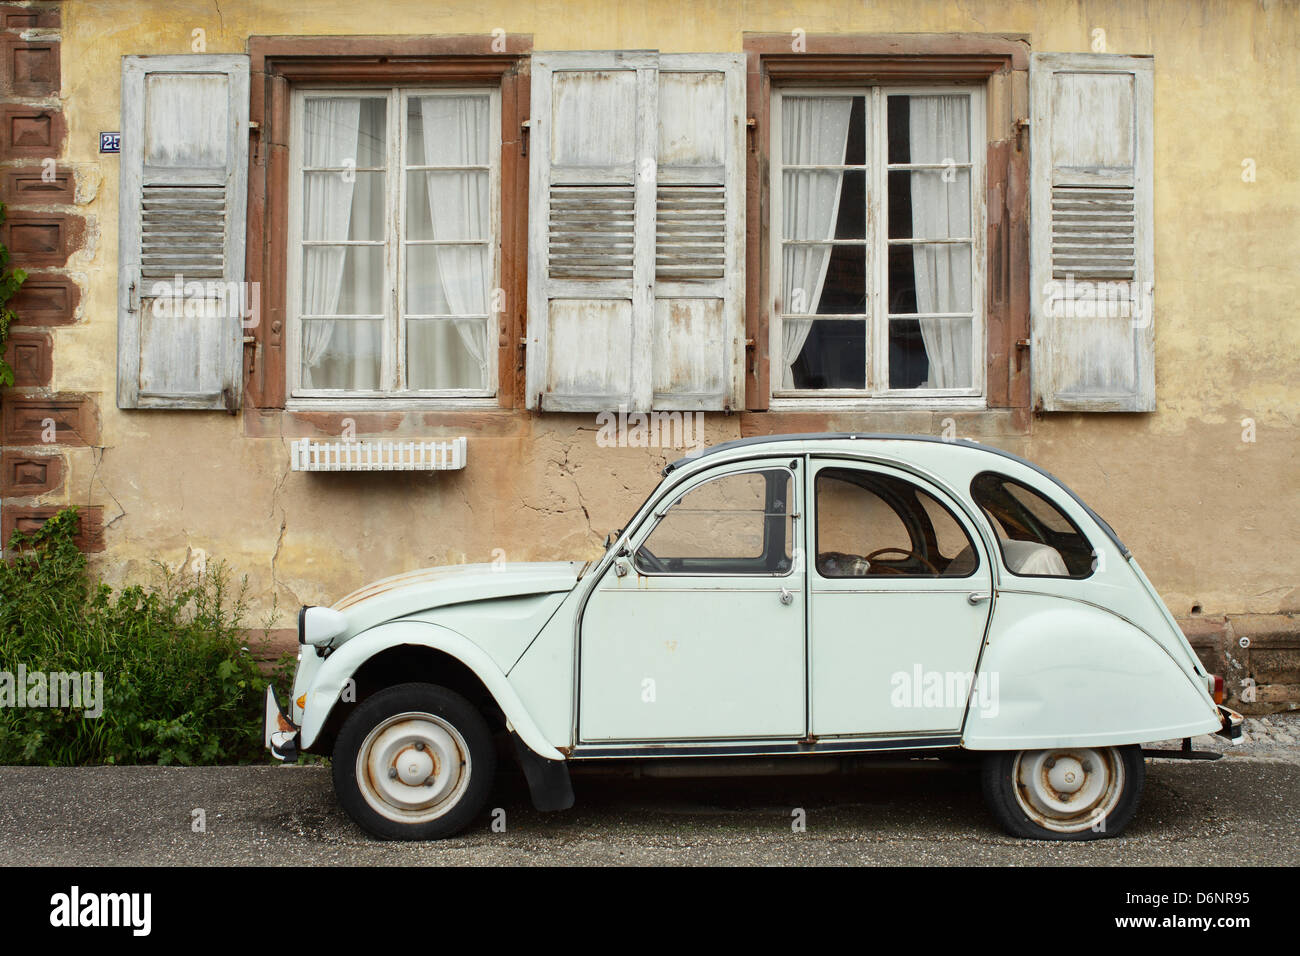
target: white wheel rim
1070 789
413 767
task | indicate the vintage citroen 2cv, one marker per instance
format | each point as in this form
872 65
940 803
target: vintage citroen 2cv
773 600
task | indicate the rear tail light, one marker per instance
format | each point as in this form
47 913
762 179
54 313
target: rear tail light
1216 687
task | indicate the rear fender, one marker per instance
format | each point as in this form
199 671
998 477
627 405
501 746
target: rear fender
1068 674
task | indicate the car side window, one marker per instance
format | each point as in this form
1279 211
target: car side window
1036 537
874 525
741 523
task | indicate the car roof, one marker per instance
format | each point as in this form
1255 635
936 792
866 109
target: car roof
758 441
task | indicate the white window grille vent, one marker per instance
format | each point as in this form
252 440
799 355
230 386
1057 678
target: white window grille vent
308 455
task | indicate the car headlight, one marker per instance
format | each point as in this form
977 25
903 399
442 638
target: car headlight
318 626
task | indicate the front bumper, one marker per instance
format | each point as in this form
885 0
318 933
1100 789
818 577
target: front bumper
279 732
1232 723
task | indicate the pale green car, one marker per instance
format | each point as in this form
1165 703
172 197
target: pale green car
796 598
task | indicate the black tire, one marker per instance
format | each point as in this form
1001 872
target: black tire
1006 797
442 708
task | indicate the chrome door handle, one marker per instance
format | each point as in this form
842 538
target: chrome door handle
978 597
786 597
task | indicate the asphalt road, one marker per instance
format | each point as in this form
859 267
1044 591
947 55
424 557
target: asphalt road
1242 810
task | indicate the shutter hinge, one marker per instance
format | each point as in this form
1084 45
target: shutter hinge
1019 126
751 131
524 128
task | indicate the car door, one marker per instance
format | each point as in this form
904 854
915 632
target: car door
900 593
696 631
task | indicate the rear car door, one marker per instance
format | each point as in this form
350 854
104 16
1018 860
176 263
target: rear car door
900 590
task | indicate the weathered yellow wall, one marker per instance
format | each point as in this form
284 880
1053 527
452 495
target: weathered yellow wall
1215 520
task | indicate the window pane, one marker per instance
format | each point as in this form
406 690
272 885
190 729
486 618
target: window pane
873 525
460 130
825 280
343 280
930 353
342 131
929 204
447 353
809 195
815 130
447 280
1036 537
447 205
930 278
736 523
824 353
929 128
342 354
342 205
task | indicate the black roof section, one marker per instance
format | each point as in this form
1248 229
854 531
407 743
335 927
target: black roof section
875 436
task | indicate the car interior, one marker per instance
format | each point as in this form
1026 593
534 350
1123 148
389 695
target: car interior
875 525
1037 539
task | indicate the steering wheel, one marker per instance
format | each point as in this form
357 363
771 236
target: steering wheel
886 569
645 557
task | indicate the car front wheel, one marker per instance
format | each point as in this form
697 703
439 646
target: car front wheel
1066 793
414 762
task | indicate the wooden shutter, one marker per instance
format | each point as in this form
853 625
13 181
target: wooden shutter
591 230
182 206
1092 259
699 323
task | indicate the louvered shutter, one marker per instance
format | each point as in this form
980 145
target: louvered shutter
182 207
1092 260
699 325
591 230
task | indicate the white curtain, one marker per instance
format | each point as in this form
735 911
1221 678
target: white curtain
332 128
814 131
939 131
454 129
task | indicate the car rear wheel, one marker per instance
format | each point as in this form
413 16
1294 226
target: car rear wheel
414 762
1066 793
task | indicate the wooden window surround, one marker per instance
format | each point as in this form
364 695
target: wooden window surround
278 64
999 61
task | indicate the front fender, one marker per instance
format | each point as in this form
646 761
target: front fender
332 676
1063 673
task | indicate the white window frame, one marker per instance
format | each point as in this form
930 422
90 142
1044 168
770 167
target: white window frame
393 372
877 242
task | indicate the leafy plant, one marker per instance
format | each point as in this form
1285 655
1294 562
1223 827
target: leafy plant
179 685
10 280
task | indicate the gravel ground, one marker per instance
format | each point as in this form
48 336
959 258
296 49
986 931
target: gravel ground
1244 808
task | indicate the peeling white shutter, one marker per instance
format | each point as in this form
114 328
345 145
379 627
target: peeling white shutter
637 230
1092 259
591 230
182 208
699 321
